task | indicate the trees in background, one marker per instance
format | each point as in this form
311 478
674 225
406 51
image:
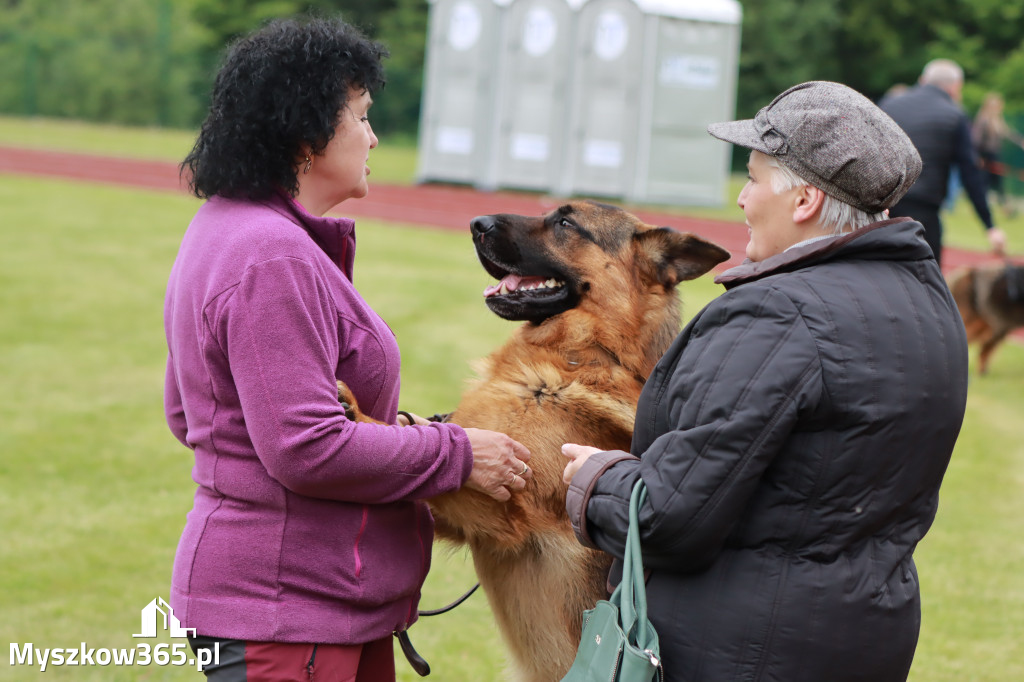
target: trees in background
125 61
151 62
873 44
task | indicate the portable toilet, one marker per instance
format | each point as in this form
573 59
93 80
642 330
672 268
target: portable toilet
694 47
459 90
532 103
649 76
608 74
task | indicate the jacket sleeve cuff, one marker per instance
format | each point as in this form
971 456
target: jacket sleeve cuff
582 487
463 446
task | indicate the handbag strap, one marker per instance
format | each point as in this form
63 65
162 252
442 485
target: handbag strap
631 594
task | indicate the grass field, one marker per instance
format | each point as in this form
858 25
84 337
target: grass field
93 489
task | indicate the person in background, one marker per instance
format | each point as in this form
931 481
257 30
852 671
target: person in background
794 436
931 115
895 90
309 538
988 132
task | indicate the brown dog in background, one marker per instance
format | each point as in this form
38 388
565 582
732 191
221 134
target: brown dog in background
596 290
991 303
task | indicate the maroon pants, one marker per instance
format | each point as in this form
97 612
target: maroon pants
240 661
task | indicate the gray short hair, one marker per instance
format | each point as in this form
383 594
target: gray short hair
942 73
836 216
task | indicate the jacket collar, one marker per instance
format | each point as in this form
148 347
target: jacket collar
893 239
336 236
936 91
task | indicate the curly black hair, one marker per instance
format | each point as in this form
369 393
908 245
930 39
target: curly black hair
279 89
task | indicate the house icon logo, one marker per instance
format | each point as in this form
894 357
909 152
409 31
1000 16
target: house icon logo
159 610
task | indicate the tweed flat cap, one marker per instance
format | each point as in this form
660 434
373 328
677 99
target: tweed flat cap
834 138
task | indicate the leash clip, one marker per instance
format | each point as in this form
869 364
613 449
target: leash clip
418 663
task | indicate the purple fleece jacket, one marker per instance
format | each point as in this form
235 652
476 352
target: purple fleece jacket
306 527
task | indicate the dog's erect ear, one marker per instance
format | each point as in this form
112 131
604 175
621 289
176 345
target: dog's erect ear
678 256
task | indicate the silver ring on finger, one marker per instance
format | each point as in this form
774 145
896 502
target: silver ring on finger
526 467
513 481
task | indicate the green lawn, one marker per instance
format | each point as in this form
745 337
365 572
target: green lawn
94 489
95 138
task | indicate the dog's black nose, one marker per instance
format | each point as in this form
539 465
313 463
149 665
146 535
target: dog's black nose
482 224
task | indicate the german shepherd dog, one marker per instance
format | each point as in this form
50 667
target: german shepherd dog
991 303
595 289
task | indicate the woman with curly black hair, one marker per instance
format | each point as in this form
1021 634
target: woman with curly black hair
308 540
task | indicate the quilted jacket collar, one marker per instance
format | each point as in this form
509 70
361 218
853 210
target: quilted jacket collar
893 239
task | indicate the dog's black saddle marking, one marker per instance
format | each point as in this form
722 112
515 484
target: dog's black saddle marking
1014 282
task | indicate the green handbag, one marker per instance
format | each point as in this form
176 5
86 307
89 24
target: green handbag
619 644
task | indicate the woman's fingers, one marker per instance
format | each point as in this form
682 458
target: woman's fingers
499 464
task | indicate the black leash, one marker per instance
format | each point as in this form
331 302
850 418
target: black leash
446 609
418 663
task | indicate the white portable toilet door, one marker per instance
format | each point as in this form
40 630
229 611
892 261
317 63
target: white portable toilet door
695 71
607 88
458 90
533 94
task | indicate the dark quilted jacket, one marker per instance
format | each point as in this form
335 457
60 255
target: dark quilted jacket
941 132
793 440
931 120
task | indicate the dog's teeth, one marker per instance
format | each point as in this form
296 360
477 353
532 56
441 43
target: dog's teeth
551 283
503 290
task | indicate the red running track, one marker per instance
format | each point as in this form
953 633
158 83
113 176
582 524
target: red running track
441 206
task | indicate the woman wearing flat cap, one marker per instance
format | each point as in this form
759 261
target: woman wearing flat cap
794 436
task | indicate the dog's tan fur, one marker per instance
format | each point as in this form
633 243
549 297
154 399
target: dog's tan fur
983 296
574 377
571 378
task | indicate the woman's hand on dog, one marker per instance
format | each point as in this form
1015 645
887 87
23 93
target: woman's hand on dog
499 464
577 454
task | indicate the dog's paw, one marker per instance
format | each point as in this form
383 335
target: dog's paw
352 411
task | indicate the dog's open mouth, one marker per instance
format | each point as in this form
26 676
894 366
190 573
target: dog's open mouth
517 285
526 297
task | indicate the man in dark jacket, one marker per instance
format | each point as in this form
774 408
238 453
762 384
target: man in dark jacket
794 436
931 116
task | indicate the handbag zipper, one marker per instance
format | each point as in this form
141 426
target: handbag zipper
657 664
615 668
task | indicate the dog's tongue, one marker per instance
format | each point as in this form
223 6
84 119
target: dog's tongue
511 282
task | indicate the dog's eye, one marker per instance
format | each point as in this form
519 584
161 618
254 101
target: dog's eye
565 222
